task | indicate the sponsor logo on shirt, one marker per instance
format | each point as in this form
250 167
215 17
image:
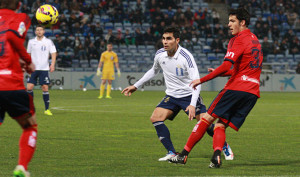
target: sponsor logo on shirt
246 78
21 28
5 72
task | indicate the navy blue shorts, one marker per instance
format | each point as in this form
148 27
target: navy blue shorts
16 103
176 104
43 77
232 107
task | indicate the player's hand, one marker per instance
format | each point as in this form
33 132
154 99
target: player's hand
23 65
129 90
99 72
30 68
52 68
210 70
192 112
195 83
119 73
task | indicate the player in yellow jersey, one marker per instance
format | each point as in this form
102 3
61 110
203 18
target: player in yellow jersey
107 60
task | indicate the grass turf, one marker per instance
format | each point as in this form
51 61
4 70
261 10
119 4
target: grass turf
114 137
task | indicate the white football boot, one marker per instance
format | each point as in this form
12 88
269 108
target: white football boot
168 156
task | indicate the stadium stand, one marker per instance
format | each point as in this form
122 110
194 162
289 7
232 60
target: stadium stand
92 21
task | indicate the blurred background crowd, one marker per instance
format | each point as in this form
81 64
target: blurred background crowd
135 28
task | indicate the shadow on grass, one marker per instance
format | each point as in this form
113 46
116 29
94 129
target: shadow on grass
268 163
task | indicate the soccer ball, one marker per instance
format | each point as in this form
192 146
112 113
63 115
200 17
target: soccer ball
47 14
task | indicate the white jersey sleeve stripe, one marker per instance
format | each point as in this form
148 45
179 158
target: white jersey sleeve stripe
159 51
187 57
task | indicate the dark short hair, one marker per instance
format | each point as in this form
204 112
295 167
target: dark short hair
40 25
174 30
9 4
241 14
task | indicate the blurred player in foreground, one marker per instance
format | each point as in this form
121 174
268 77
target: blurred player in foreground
39 49
107 60
232 105
179 69
14 99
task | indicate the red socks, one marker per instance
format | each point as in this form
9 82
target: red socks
219 138
197 133
27 145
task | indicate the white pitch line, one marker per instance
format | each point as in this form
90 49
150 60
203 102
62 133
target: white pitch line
78 110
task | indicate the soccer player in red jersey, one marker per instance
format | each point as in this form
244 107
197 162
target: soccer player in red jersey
238 97
14 99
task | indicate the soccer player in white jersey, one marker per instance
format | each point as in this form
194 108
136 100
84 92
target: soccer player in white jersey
39 48
179 69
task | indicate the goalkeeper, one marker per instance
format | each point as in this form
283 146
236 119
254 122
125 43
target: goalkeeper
107 60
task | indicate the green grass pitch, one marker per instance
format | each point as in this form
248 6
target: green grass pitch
91 137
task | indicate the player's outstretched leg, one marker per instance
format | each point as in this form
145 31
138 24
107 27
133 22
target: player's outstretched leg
226 148
27 146
179 159
218 143
196 135
165 138
216 160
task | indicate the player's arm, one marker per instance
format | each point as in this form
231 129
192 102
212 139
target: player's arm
147 76
53 61
233 53
17 44
117 65
228 73
194 74
222 69
100 65
53 56
118 69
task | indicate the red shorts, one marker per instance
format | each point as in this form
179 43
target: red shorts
232 107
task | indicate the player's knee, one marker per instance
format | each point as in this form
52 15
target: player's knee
208 118
27 121
29 87
155 118
45 88
220 124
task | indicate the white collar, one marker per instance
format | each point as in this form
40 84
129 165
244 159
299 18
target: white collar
176 53
38 40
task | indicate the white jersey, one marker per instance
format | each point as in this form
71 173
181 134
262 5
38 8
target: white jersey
40 51
179 71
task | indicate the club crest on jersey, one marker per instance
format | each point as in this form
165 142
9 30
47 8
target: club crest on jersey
21 28
43 48
179 70
111 57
